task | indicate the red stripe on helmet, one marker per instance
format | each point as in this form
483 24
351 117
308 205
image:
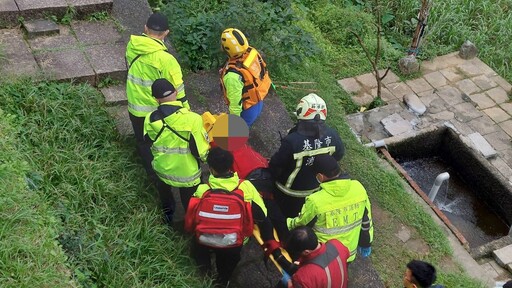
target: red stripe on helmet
310 110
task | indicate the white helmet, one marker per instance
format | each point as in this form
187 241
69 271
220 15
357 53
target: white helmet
310 106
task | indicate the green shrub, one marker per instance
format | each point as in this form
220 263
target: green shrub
337 23
269 26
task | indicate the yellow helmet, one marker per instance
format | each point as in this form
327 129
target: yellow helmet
233 41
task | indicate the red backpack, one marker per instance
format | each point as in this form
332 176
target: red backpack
220 219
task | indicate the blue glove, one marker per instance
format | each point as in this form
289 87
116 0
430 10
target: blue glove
364 251
285 278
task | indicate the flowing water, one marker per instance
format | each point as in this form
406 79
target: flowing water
471 215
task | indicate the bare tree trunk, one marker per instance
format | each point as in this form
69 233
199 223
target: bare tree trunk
375 61
420 27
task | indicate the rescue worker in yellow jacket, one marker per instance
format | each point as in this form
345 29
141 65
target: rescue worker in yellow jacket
148 59
244 78
340 210
179 144
291 164
222 177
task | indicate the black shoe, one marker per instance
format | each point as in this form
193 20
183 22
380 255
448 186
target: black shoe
168 219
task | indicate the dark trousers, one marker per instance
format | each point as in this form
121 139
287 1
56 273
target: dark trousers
264 183
290 206
226 260
167 198
164 190
278 220
143 146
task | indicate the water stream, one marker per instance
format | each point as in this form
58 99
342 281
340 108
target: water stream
458 201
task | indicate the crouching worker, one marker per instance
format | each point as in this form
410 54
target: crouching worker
320 265
178 143
291 164
222 214
340 210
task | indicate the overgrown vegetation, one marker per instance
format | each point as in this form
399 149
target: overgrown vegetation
66 19
78 183
109 225
99 16
333 54
107 82
270 26
452 22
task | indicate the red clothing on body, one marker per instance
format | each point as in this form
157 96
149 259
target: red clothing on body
247 160
311 275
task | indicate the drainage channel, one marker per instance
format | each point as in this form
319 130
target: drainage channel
472 201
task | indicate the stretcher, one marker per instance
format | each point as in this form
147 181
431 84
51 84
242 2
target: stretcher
257 235
208 123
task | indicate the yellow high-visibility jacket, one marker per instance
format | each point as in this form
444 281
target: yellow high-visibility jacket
250 193
148 60
342 211
179 143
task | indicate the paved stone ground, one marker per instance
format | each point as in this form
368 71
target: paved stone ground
12 10
78 52
464 95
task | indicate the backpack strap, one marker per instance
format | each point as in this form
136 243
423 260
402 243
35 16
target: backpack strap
165 125
239 193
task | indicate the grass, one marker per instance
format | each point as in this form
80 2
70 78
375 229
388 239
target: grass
108 82
66 19
110 228
99 16
86 189
384 187
104 16
28 226
452 22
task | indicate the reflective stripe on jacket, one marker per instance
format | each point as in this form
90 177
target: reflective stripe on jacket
250 193
323 267
339 207
174 161
292 164
149 60
299 163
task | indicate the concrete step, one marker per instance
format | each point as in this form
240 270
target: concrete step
18 58
40 27
503 256
120 115
115 95
12 10
77 53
